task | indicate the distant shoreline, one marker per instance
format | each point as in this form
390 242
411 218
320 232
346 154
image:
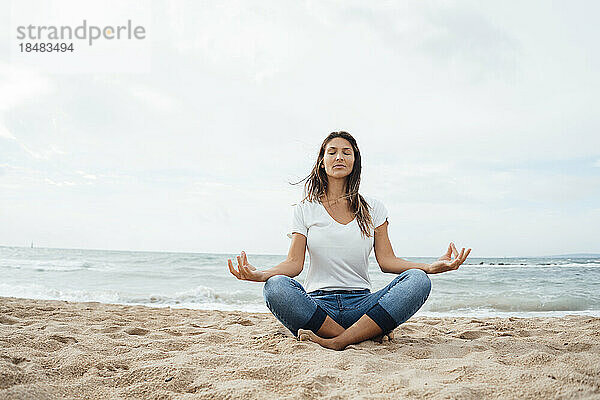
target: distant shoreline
573 255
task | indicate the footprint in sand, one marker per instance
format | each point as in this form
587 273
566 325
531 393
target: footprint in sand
8 320
110 329
43 308
217 337
137 331
319 385
63 339
418 353
240 321
470 335
171 332
195 387
111 366
14 360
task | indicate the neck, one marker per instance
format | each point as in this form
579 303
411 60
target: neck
335 188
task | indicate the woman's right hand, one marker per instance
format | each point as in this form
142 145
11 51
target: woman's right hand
246 271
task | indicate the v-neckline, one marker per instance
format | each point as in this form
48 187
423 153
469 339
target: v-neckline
333 219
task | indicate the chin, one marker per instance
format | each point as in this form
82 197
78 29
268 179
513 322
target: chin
339 174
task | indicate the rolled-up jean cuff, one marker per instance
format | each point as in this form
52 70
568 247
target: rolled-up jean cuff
315 322
382 318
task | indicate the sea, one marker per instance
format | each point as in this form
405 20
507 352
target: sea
482 287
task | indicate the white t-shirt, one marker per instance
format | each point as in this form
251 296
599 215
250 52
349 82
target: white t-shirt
339 254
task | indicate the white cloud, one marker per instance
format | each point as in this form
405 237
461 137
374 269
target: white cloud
19 84
63 183
156 100
87 176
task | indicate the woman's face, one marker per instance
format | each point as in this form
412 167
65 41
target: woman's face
338 158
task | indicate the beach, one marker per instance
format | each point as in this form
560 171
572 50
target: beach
89 350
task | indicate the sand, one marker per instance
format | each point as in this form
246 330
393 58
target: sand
57 349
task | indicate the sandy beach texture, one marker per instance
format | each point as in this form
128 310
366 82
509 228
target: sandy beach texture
58 349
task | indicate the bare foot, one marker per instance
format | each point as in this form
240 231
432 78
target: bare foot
382 338
308 335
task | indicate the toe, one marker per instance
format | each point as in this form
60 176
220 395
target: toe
303 334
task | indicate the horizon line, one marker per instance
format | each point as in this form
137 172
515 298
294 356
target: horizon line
580 254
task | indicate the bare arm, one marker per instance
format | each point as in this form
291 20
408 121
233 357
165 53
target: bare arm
294 263
398 265
388 262
291 266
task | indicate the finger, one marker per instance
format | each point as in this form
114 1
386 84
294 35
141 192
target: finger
461 255
232 269
456 262
449 252
244 258
239 262
454 249
465 256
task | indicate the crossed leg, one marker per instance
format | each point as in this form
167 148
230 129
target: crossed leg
331 329
393 305
363 329
295 309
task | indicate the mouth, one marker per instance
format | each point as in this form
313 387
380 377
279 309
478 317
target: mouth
339 166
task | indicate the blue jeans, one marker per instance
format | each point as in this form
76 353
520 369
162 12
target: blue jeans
388 307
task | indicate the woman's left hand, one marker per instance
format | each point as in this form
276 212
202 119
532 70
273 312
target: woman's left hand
446 263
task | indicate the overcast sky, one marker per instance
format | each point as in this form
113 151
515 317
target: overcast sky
478 123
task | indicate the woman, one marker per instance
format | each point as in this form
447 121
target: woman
340 227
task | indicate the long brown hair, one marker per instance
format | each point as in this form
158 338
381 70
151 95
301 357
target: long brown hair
316 183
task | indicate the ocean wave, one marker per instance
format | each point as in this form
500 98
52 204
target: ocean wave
492 286
197 295
45 265
510 303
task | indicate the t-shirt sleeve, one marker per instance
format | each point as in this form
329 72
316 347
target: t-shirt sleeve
298 224
379 213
